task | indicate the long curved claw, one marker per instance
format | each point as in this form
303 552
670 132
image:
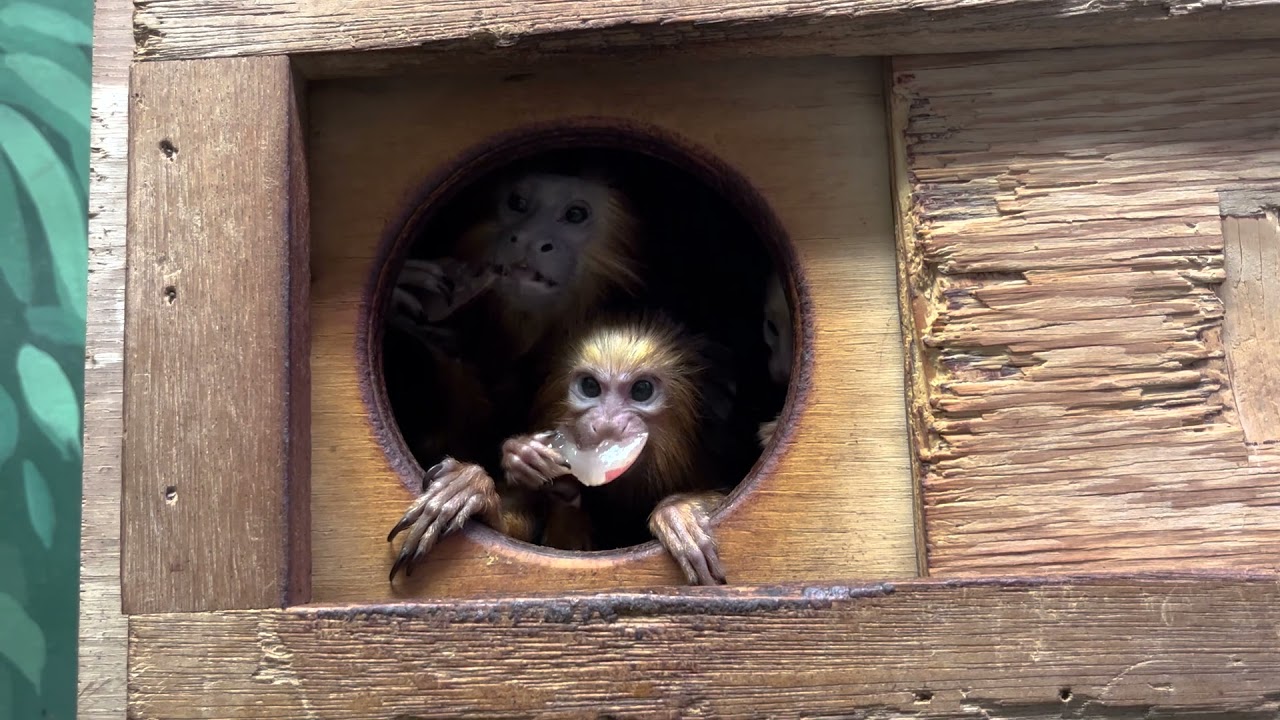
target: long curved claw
453 493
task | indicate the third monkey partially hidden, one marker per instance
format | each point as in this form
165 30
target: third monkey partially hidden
617 380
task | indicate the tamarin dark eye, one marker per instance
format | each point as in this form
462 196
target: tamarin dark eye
576 214
589 386
642 390
516 202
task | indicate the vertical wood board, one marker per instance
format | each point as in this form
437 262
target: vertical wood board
808 135
102 628
216 368
1065 258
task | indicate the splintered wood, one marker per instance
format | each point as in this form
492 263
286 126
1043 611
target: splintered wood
1118 648
1065 266
184 29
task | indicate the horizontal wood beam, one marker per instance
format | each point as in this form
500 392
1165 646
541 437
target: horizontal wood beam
216 412
1119 647
184 29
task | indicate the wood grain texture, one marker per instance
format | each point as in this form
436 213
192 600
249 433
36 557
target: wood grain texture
1065 257
216 444
809 135
103 630
180 29
1251 320
1118 648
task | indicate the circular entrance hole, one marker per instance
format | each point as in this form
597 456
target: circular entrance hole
708 247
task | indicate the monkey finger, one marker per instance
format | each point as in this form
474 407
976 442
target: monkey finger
410 516
473 505
707 544
520 473
551 469
555 462
697 544
681 545
404 303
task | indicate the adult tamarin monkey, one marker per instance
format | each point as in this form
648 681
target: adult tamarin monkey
469 329
777 336
619 380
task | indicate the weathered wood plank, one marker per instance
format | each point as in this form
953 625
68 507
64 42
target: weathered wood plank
174 29
1251 319
216 403
1089 647
835 502
103 630
1065 256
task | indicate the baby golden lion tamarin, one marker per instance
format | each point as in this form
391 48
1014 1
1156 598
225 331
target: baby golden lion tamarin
619 381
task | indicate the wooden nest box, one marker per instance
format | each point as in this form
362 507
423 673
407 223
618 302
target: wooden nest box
1029 457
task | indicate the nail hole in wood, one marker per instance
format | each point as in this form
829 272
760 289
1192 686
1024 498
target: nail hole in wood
171 494
168 148
924 697
170 293
1065 694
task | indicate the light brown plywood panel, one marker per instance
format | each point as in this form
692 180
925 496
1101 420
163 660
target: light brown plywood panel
103 630
1065 258
808 134
216 415
183 29
1119 648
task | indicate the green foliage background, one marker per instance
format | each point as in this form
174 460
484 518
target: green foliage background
45 53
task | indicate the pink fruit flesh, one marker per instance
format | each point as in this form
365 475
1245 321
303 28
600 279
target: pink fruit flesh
601 464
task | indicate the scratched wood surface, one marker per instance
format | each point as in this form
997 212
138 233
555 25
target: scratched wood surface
180 29
1119 648
1078 408
103 629
809 135
216 417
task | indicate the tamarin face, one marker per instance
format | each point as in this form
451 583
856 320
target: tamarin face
547 224
627 380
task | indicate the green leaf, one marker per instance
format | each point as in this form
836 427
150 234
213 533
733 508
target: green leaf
55 90
50 398
21 639
56 324
39 502
8 426
46 20
15 260
52 190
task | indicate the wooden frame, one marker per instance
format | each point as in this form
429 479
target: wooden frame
227 578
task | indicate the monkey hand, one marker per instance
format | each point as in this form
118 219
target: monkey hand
432 290
452 493
528 462
681 524
766 431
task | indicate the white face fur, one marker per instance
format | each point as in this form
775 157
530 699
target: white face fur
545 223
777 330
